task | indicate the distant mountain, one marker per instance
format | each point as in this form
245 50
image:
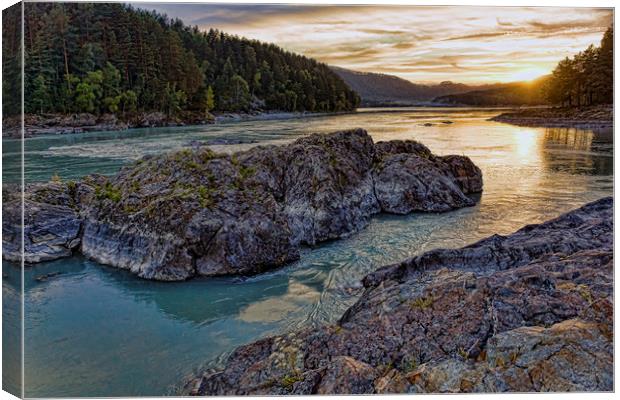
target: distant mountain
382 89
510 94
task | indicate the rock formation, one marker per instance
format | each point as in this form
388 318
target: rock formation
194 212
600 116
51 222
532 311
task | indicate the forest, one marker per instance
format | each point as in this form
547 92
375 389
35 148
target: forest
506 94
585 79
113 58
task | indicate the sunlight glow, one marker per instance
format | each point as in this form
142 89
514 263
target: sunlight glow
422 44
528 74
527 146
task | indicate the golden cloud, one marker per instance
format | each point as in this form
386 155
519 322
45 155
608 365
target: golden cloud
470 44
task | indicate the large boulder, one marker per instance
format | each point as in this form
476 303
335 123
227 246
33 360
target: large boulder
409 178
195 212
328 188
532 311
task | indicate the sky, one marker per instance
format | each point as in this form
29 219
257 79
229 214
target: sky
420 43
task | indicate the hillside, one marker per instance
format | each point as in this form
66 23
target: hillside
583 80
517 93
113 58
382 89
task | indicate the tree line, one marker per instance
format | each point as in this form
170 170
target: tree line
582 80
506 94
114 58
586 78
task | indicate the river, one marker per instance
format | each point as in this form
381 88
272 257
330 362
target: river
97 331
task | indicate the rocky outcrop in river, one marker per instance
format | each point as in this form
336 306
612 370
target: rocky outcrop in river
532 311
194 212
600 116
51 222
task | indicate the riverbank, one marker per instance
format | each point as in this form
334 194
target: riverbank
271 115
531 311
581 117
197 213
316 290
62 124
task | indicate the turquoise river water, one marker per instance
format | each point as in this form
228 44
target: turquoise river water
96 331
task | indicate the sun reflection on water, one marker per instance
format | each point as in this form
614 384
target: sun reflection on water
129 328
527 142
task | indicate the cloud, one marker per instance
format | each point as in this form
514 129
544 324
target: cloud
403 46
471 44
342 55
563 26
384 31
227 15
479 35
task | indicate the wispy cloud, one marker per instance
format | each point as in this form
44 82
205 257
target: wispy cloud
469 44
481 35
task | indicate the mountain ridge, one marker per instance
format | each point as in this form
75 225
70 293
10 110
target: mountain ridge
378 89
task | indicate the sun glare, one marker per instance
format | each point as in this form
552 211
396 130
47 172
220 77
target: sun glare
528 74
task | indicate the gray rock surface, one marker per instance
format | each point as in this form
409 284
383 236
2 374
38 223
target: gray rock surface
410 178
532 311
195 212
51 223
598 116
60 124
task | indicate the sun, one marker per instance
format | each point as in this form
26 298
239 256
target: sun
528 74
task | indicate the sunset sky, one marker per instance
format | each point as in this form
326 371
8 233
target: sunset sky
421 44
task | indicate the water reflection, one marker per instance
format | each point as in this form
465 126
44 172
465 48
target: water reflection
579 151
72 156
97 331
527 144
11 337
11 292
278 308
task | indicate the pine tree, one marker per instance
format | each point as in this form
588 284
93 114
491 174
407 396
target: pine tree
586 78
240 93
40 100
147 62
210 100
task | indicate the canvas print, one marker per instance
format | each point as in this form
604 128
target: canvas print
213 199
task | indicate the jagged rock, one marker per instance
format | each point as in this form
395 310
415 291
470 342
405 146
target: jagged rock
465 172
532 311
408 182
51 223
57 124
392 381
152 119
572 355
328 188
79 120
195 212
345 375
410 178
